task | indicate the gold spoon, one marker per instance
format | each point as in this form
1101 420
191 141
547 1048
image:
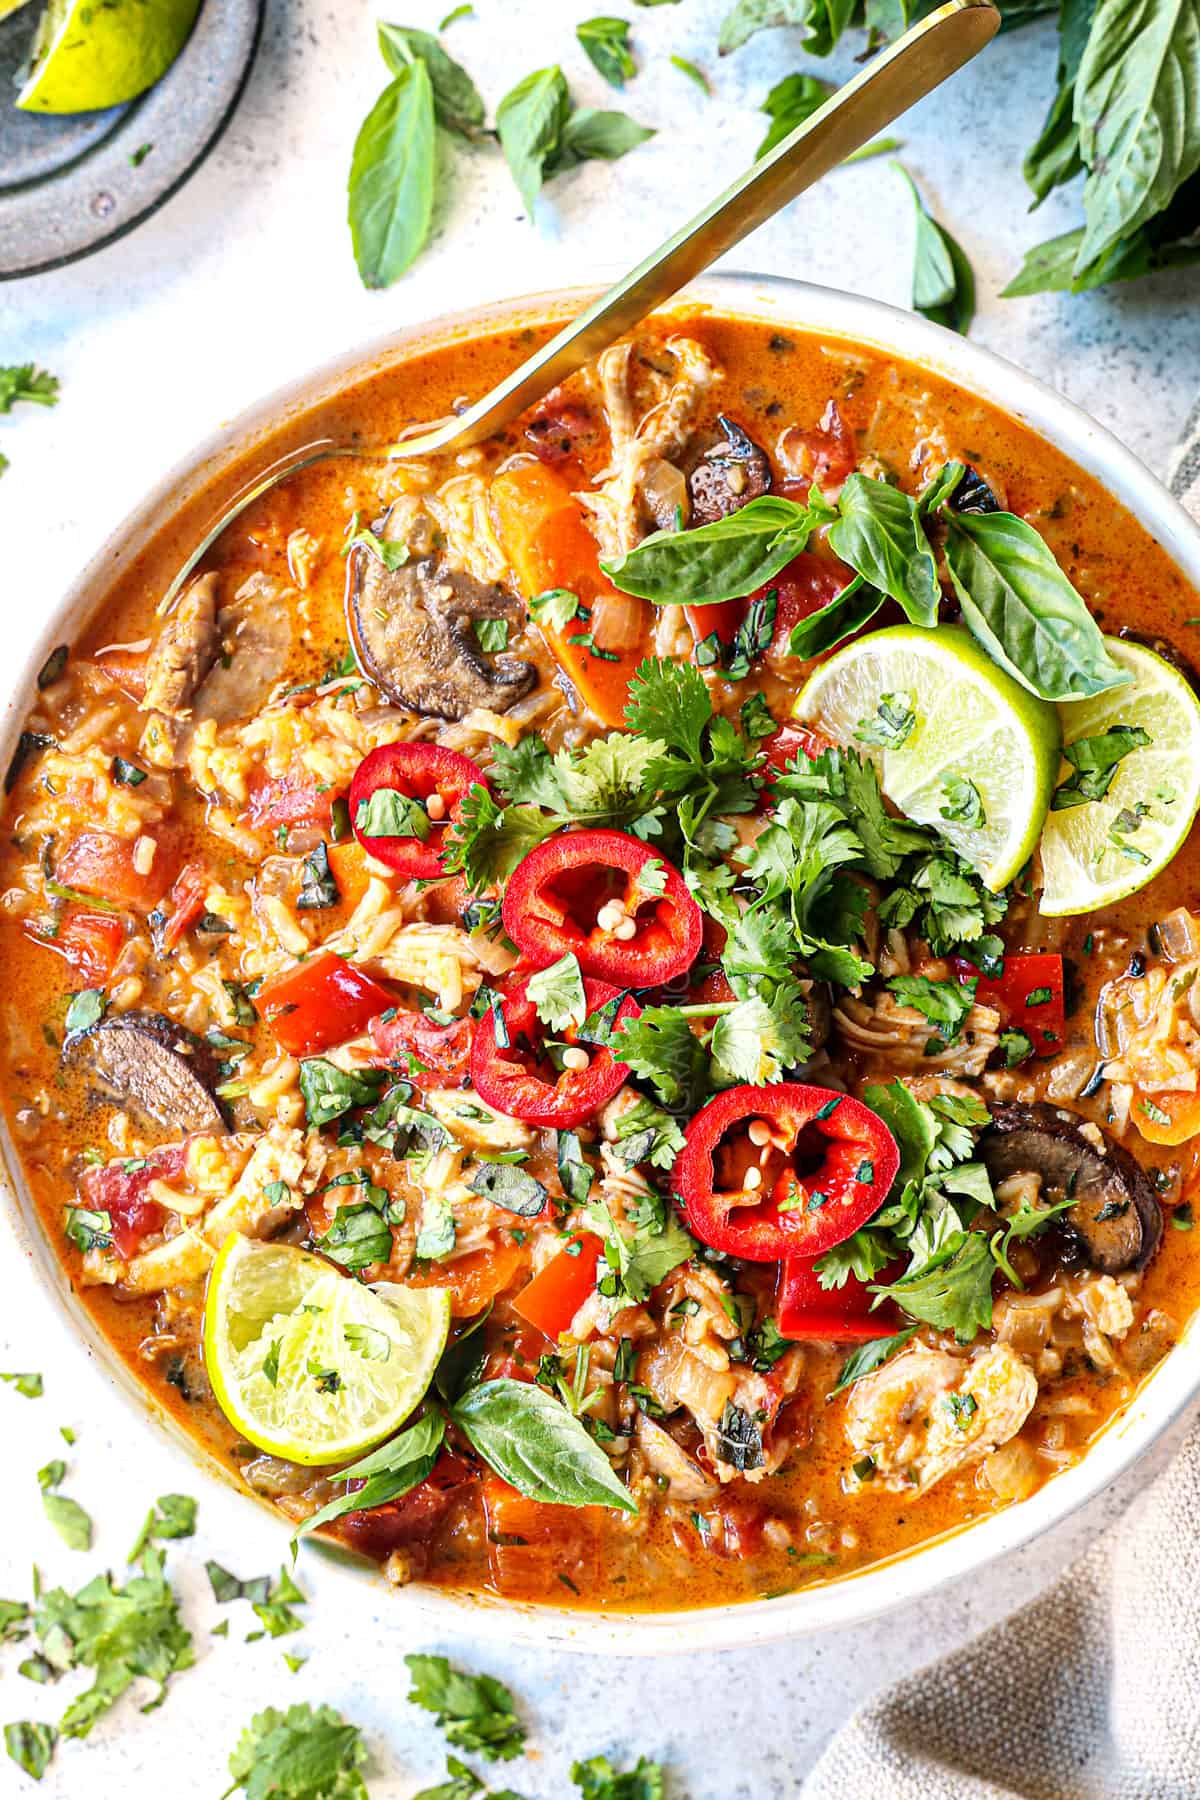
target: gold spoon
895 80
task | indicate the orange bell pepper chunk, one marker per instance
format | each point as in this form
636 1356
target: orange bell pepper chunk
548 544
1167 1118
556 1294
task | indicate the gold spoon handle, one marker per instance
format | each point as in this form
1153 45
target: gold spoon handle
895 80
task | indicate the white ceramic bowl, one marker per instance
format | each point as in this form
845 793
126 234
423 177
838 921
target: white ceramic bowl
1172 1386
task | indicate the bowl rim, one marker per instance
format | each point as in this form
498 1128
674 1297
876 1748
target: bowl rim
1172 1387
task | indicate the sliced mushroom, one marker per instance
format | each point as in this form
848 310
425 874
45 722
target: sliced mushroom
144 1062
1116 1217
729 475
411 628
972 494
686 1480
184 650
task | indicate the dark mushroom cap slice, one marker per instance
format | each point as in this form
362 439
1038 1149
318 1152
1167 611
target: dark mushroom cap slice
156 1068
413 634
729 475
1116 1217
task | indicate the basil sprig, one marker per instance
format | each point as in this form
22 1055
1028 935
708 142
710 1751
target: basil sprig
386 1473
392 176
878 532
722 561
531 1439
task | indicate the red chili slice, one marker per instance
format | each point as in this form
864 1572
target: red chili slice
320 1002
557 896
1028 992
421 772
806 1312
518 1078
825 1166
120 1189
432 1056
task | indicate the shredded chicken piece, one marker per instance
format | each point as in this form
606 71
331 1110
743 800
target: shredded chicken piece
897 1037
184 651
618 505
926 1413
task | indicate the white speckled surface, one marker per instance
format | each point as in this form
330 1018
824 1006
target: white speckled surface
244 278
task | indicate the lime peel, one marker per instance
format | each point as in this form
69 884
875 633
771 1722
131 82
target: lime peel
86 56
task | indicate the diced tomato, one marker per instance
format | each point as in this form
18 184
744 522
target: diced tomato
806 1312
320 1002
517 1077
547 542
185 903
557 1292
420 772
803 587
742 1521
1028 993
120 1189
89 942
99 862
442 1053
126 669
790 741
721 616
826 455
476 1278
533 1547
415 1516
558 894
292 799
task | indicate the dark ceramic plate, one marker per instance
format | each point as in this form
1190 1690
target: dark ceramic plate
69 184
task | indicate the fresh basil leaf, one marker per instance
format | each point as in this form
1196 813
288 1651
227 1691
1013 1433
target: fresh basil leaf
721 561
529 123
870 1356
386 1473
589 135
606 42
879 533
750 16
837 620
389 813
943 285
531 1440
511 1188
788 104
457 103
575 1173
88 1230
86 1009
1139 127
1019 604
392 178
318 885
328 1091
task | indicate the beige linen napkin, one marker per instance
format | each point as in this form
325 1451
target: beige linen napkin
1090 1693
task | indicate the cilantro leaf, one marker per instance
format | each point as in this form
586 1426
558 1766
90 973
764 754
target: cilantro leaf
953 1290
305 1753
486 842
171 1516
476 1712
557 993
670 702
31 1746
944 1003
1095 761
757 1041
662 1047
638 1260
29 1384
24 381
645 1133
596 1779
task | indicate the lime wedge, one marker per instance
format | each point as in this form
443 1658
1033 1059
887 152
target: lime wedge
958 743
1106 849
309 1364
88 55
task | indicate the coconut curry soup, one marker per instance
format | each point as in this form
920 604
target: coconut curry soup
612 1018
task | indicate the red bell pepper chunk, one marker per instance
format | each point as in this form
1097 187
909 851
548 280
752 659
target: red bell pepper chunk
826 1166
120 1189
519 1081
806 1312
421 772
294 799
1028 994
556 1293
88 942
559 893
319 1003
802 587
431 1056
721 616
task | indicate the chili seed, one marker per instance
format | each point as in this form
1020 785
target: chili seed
574 1059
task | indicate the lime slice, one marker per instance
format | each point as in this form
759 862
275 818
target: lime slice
949 717
1105 849
309 1364
87 55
